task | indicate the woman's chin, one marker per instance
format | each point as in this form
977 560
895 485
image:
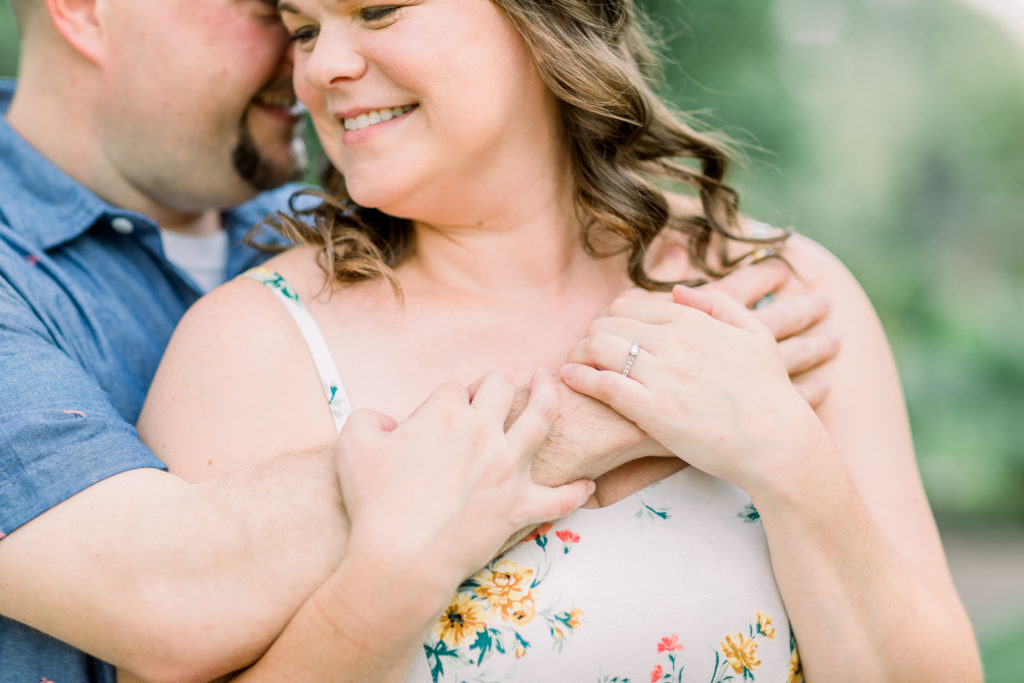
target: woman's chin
390 203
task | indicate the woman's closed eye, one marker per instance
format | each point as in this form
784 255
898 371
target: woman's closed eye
303 35
379 15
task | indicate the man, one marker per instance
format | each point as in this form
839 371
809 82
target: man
135 144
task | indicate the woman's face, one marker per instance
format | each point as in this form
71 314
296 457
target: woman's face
421 104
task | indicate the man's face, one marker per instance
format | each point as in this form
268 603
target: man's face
196 100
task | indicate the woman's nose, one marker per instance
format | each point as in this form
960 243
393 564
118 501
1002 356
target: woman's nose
332 62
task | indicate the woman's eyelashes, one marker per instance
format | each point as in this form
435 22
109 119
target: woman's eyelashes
303 35
375 16
379 14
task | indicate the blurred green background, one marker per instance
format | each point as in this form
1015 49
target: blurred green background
892 131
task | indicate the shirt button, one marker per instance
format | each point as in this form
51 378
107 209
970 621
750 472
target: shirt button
122 225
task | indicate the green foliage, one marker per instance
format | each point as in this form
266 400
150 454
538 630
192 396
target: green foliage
1000 656
8 40
890 132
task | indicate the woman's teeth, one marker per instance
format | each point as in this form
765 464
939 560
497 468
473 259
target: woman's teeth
377 116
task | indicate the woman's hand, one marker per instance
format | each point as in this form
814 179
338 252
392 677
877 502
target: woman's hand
797 320
708 383
434 497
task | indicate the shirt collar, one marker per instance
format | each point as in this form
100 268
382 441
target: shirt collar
39 201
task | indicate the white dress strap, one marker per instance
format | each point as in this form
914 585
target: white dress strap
334 392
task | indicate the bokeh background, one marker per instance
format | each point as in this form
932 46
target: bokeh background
892 131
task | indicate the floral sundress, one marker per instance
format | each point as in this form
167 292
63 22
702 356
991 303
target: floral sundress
671 584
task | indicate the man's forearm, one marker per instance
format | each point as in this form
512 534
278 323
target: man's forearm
216 570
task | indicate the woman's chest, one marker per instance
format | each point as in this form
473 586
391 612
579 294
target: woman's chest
393 364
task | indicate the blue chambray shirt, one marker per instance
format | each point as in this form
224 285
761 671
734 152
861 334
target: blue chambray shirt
88 302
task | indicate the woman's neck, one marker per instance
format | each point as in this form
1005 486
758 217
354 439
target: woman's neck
523 244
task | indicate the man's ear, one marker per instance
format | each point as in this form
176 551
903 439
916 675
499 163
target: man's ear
78 22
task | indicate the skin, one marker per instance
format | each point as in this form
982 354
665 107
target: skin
175 580
149 109
853 544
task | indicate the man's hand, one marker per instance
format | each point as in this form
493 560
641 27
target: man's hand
792 318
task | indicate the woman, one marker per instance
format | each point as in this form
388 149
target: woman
509 151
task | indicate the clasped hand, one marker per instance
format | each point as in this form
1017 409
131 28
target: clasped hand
708 382
436 495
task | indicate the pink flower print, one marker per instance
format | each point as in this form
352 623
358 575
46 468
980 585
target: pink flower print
670 644
567 536
2 535
32 259
44 679
76 413
657 674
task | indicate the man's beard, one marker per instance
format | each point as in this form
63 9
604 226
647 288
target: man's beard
260 172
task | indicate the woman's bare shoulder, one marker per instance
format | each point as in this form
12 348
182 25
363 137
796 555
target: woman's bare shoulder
236 385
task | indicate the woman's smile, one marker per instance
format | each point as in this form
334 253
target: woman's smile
359 121
362 124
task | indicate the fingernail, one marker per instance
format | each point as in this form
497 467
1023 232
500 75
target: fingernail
543 372
567 372
591 487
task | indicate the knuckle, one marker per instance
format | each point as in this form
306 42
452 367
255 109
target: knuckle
565 505
357 431
593 344
603 323
452 391
621 305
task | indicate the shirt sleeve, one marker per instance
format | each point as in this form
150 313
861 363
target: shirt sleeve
59 431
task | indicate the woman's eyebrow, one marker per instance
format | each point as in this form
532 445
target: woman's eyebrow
285 6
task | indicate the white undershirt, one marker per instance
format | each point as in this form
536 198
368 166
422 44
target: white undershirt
203 257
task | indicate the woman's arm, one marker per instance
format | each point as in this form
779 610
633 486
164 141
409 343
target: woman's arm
854 547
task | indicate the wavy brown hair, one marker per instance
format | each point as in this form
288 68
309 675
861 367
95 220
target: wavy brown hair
624 143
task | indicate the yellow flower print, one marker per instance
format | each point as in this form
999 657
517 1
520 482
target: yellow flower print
463 619
796 671
764 625
506 588
740 651
574 618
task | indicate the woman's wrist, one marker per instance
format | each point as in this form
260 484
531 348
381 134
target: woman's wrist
387 605
805 490
804 462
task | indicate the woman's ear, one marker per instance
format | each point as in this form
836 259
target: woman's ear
78 22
